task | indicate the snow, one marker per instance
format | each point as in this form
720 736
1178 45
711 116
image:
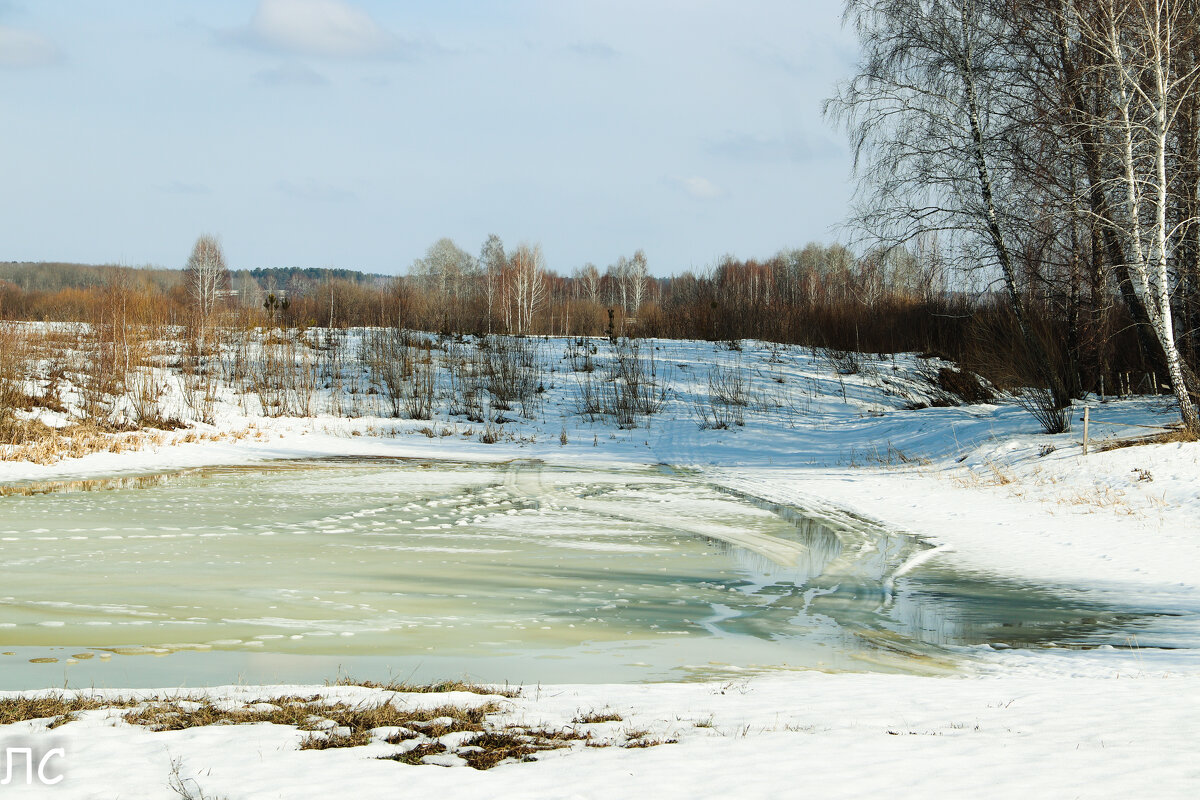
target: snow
979 483
804 735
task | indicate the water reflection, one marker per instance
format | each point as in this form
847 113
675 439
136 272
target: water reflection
30 488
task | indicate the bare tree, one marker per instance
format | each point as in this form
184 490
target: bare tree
588 279
937 122
207 280
492 262
620 274
637 274
1139 42
448 275
206 275
528 284
250 294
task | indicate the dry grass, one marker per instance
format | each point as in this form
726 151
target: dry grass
644 740
85 438
498 746
416 756
564 734
1173 436
57 708
991 474
329 740
997 474
15 358
1101 497
42 444
594 717
322 720
186 788
339 724
432 688
893 457
181 714
488 748
17 432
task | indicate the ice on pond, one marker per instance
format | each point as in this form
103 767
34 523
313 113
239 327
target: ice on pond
521 572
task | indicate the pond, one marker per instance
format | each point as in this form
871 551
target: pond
299 571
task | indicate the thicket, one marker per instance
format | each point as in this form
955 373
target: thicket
819 296
881 302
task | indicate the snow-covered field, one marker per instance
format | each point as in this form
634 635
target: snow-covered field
980 483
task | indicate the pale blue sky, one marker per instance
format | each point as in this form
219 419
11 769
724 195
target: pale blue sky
324 133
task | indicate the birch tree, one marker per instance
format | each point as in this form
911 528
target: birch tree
588 279
1139 42
528 284
936 122
637 275
206 278
492 263
620 272
206 275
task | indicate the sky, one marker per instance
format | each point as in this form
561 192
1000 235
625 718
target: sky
355 133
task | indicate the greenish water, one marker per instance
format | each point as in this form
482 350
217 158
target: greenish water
296 571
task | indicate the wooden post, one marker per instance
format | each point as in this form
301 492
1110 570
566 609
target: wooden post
1101 388
1086 420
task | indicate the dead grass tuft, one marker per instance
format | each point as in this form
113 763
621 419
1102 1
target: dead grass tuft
1173 436
30 440
517 743
432 688
323 720
498 746
416 756
1104 497
992 474
645 741
57 708
181 714
18 432
594 717
319 740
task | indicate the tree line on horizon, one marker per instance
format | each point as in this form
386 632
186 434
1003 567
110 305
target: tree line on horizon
887 299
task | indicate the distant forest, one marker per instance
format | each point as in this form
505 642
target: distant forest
55 276
888 299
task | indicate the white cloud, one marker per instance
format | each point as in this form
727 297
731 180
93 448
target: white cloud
328 28
697 187
20 48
